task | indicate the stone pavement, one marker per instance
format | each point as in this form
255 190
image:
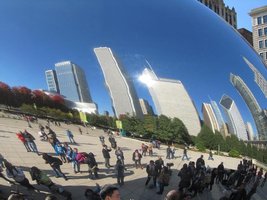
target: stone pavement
13 150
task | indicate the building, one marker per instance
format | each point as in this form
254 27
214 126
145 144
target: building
259 31
209 117
72 82
120 86
217 113
218 6
258 77
250 131
51 81
255 109
235 123
246 34
146 108
172 100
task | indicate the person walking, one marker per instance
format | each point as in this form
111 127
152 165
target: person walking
185 154
137 159
70 136
210 155
61 151
106 155
92 165
55 164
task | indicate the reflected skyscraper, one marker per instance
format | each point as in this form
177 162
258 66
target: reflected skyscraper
258 77
255 109
146 108
217 113
171 99
121 89
209 117
236 123
250 131
51 81
72 82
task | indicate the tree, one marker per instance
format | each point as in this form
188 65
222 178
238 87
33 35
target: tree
206 136
6 95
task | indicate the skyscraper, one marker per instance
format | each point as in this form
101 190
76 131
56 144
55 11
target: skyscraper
258 77
120 86
255 109
209 117
236 124
72 82
259 31
171 99
51 81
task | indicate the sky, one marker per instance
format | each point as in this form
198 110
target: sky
37 34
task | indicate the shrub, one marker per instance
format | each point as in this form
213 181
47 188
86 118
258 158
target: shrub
200 146
234 153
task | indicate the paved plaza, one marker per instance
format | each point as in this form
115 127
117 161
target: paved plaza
14 151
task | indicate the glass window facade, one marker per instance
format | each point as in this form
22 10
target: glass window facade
265 19
259 32
261 44
265 31
259 20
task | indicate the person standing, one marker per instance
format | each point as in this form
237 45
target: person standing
200 163
110 192
264 180
119 154
18 175
70 136
61 151
92 165
151 173
30 141
220 172
22 139
163 179
137 159
168 152
106 155
119 167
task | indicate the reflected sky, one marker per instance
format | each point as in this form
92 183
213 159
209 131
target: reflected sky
181 40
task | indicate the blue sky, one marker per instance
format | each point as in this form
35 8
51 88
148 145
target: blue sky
37 34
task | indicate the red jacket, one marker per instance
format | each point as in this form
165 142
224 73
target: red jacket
21 138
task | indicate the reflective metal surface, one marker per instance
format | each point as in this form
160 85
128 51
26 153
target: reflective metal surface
183 40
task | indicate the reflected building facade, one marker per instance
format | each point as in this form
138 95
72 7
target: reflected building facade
255 109
259 31
258 77
146 108
250 131
209 117
121 89
51 81
72 82
172 100
236 123
218 6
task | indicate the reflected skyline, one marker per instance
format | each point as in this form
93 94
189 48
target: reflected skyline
200 51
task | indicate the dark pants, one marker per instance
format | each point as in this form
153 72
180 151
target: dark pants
58 172
26 184
154 180
27 146
161 188
120 180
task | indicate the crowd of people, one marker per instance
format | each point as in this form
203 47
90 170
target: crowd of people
194 177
